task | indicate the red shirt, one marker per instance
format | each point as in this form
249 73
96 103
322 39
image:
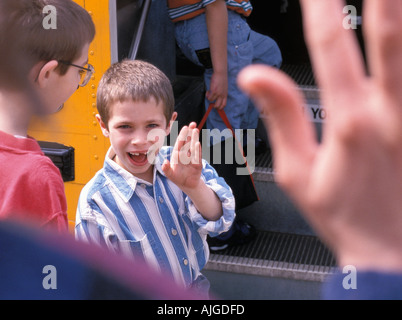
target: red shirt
31 186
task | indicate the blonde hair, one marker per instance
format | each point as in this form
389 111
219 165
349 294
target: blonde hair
134 80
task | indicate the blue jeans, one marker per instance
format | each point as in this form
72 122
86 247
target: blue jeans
244 48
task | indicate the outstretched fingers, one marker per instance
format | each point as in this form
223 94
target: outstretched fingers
383 35
187 148
335 53
292 136
195 147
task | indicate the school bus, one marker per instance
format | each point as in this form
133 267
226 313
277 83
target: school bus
286 260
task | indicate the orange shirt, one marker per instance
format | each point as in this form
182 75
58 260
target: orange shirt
186 9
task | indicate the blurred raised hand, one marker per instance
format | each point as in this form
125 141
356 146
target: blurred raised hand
349 186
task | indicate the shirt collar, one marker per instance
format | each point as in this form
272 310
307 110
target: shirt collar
122 180
13 143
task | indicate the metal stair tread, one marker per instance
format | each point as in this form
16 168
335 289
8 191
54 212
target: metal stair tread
275 254
304 77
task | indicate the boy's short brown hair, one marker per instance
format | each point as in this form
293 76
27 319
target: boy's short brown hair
32 42
134 80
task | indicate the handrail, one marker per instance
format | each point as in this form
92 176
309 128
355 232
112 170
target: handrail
138 36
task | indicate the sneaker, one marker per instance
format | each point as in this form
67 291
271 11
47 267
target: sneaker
216 245
240 233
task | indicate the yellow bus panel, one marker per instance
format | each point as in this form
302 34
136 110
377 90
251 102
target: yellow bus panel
75 125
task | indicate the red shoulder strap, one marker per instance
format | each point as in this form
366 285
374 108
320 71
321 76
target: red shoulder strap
221 113
226 121
204 118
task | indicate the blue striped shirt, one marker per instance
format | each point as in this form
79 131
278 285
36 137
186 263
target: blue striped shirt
156 222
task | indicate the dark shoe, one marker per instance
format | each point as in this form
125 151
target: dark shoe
240 233
259 145
216 245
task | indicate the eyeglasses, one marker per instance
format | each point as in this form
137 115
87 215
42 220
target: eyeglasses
86 72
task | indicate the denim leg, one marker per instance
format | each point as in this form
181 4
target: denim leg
234 109
192 35
266 51
240 55
244 48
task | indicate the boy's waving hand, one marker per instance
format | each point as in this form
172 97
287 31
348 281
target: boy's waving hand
348 186
184 169
185 166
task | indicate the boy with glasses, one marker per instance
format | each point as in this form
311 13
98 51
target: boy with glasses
86 72
48 67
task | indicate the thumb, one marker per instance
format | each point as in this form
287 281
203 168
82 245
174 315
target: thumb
209 95
167 170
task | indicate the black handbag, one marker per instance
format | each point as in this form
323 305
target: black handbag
243 185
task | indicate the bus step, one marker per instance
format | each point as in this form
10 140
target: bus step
302 74
276 254
264 167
